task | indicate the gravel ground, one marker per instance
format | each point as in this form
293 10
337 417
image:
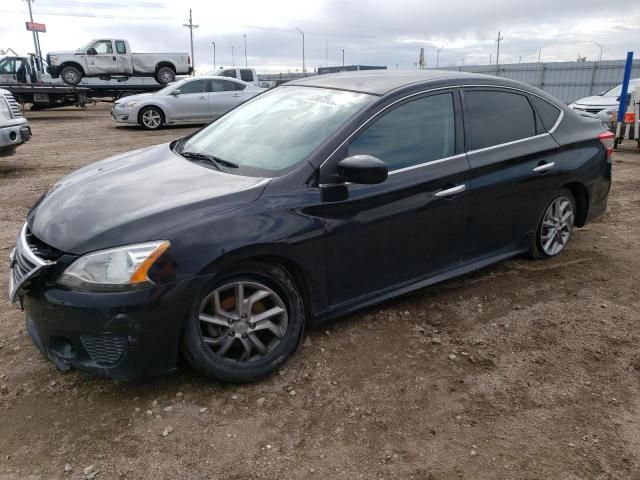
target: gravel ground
523 370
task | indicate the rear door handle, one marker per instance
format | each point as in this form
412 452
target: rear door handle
544 167
451 191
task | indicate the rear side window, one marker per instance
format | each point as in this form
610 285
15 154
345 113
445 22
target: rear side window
496 117
548 113
225 86
413 133
120 47
228 73
246 75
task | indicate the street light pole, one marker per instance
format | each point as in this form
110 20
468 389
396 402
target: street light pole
343 57
214 54
438 55
599 46
233 58
244 37
304 70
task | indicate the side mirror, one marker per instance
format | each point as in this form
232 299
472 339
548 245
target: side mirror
363 169
176 92
92 51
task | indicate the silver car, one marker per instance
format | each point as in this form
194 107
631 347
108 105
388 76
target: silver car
191 100
604 105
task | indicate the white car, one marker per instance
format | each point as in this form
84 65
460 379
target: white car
192 100
605 105
14 130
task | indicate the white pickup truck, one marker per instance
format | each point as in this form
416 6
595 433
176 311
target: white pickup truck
113 58
248 75
14 130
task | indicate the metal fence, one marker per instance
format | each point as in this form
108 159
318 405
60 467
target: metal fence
567 81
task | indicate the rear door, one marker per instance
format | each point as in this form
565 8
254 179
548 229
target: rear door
413 224
512 169
224 95
192 104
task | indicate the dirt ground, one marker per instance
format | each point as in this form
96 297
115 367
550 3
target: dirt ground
525 370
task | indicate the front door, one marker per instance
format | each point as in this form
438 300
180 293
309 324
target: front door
101 58
192 104
413 224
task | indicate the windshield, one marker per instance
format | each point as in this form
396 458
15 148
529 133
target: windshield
616 91
278 129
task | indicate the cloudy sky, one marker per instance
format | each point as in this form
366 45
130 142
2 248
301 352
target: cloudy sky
371 32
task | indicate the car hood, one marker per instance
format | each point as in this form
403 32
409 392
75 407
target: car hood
139 97
133 197
597 101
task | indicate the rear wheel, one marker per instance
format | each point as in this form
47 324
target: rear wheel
165 75
246 325
151 118
71 75
555 226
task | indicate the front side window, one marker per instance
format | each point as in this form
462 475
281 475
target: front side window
246 75
195 86
496 117
277 130
121 47
102 46
416 132
8 66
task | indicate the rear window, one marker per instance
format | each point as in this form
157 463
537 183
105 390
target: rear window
548 113
496 117
121 48
246 75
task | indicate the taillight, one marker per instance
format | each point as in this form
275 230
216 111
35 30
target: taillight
607 139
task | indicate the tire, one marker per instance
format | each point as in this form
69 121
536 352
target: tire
71 75
151 118
226 349
555 226
165 75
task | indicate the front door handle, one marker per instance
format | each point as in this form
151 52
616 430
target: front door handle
236 95
203 98
544 167
451 191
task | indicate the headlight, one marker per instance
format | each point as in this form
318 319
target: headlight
5 111
130 104
114 269
572 105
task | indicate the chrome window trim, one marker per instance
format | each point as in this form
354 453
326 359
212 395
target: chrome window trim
520 140
436 89
430 162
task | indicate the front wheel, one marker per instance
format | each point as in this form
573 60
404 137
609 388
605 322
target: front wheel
151 118
246 325
555 227
71 75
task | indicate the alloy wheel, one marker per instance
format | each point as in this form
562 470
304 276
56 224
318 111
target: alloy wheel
151 118
557 225
242 321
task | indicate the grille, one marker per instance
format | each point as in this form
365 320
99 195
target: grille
594 110
13 105
104 349
26 262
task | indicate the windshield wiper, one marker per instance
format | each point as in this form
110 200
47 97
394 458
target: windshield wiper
208 158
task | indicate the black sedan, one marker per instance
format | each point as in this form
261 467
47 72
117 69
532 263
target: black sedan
310 201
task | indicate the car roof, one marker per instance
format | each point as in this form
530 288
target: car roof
381 82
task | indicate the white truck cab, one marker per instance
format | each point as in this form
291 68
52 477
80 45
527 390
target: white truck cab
248 75
14 130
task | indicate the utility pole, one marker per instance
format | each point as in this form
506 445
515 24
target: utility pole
600 46
539 54
36 41
490 58
191 26
304 70
233 58
499 39
326 51
343 57
214 54
244 37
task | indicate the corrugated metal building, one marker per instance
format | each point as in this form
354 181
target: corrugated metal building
567 81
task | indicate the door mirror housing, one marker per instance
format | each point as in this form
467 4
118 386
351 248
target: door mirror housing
176 92
363 169
92 51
